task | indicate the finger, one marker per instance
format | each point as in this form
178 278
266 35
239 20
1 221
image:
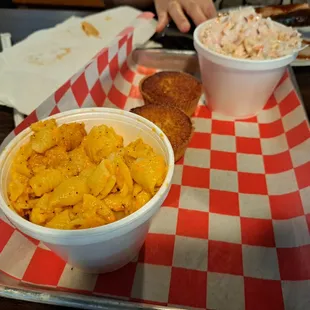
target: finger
209 9
162 15
176 13
194 11
162 21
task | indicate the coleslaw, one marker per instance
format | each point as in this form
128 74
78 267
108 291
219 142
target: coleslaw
245 34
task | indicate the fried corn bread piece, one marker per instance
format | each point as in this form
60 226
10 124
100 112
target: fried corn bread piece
174 88
172 121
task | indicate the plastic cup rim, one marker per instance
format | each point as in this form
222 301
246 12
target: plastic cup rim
230 58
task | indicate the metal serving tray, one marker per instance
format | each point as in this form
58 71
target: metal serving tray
11 288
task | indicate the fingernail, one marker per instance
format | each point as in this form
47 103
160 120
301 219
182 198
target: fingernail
185 27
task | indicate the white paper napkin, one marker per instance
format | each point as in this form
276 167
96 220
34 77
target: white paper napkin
33 69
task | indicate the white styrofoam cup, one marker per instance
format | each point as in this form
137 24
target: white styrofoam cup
105 248
237 87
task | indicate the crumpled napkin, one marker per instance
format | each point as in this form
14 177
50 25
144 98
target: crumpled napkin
33 69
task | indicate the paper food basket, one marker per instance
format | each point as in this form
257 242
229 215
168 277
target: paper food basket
233 232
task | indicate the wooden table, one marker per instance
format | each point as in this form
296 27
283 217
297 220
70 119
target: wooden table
20 23
63 3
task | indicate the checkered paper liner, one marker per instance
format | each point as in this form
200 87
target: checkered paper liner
233 232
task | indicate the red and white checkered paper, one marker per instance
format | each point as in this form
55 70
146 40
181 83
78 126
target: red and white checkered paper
234 230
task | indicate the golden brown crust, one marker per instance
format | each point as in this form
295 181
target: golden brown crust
178 89
172 121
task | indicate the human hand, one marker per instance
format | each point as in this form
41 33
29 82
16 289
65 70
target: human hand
198 10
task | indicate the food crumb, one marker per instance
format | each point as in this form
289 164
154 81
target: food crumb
90 30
